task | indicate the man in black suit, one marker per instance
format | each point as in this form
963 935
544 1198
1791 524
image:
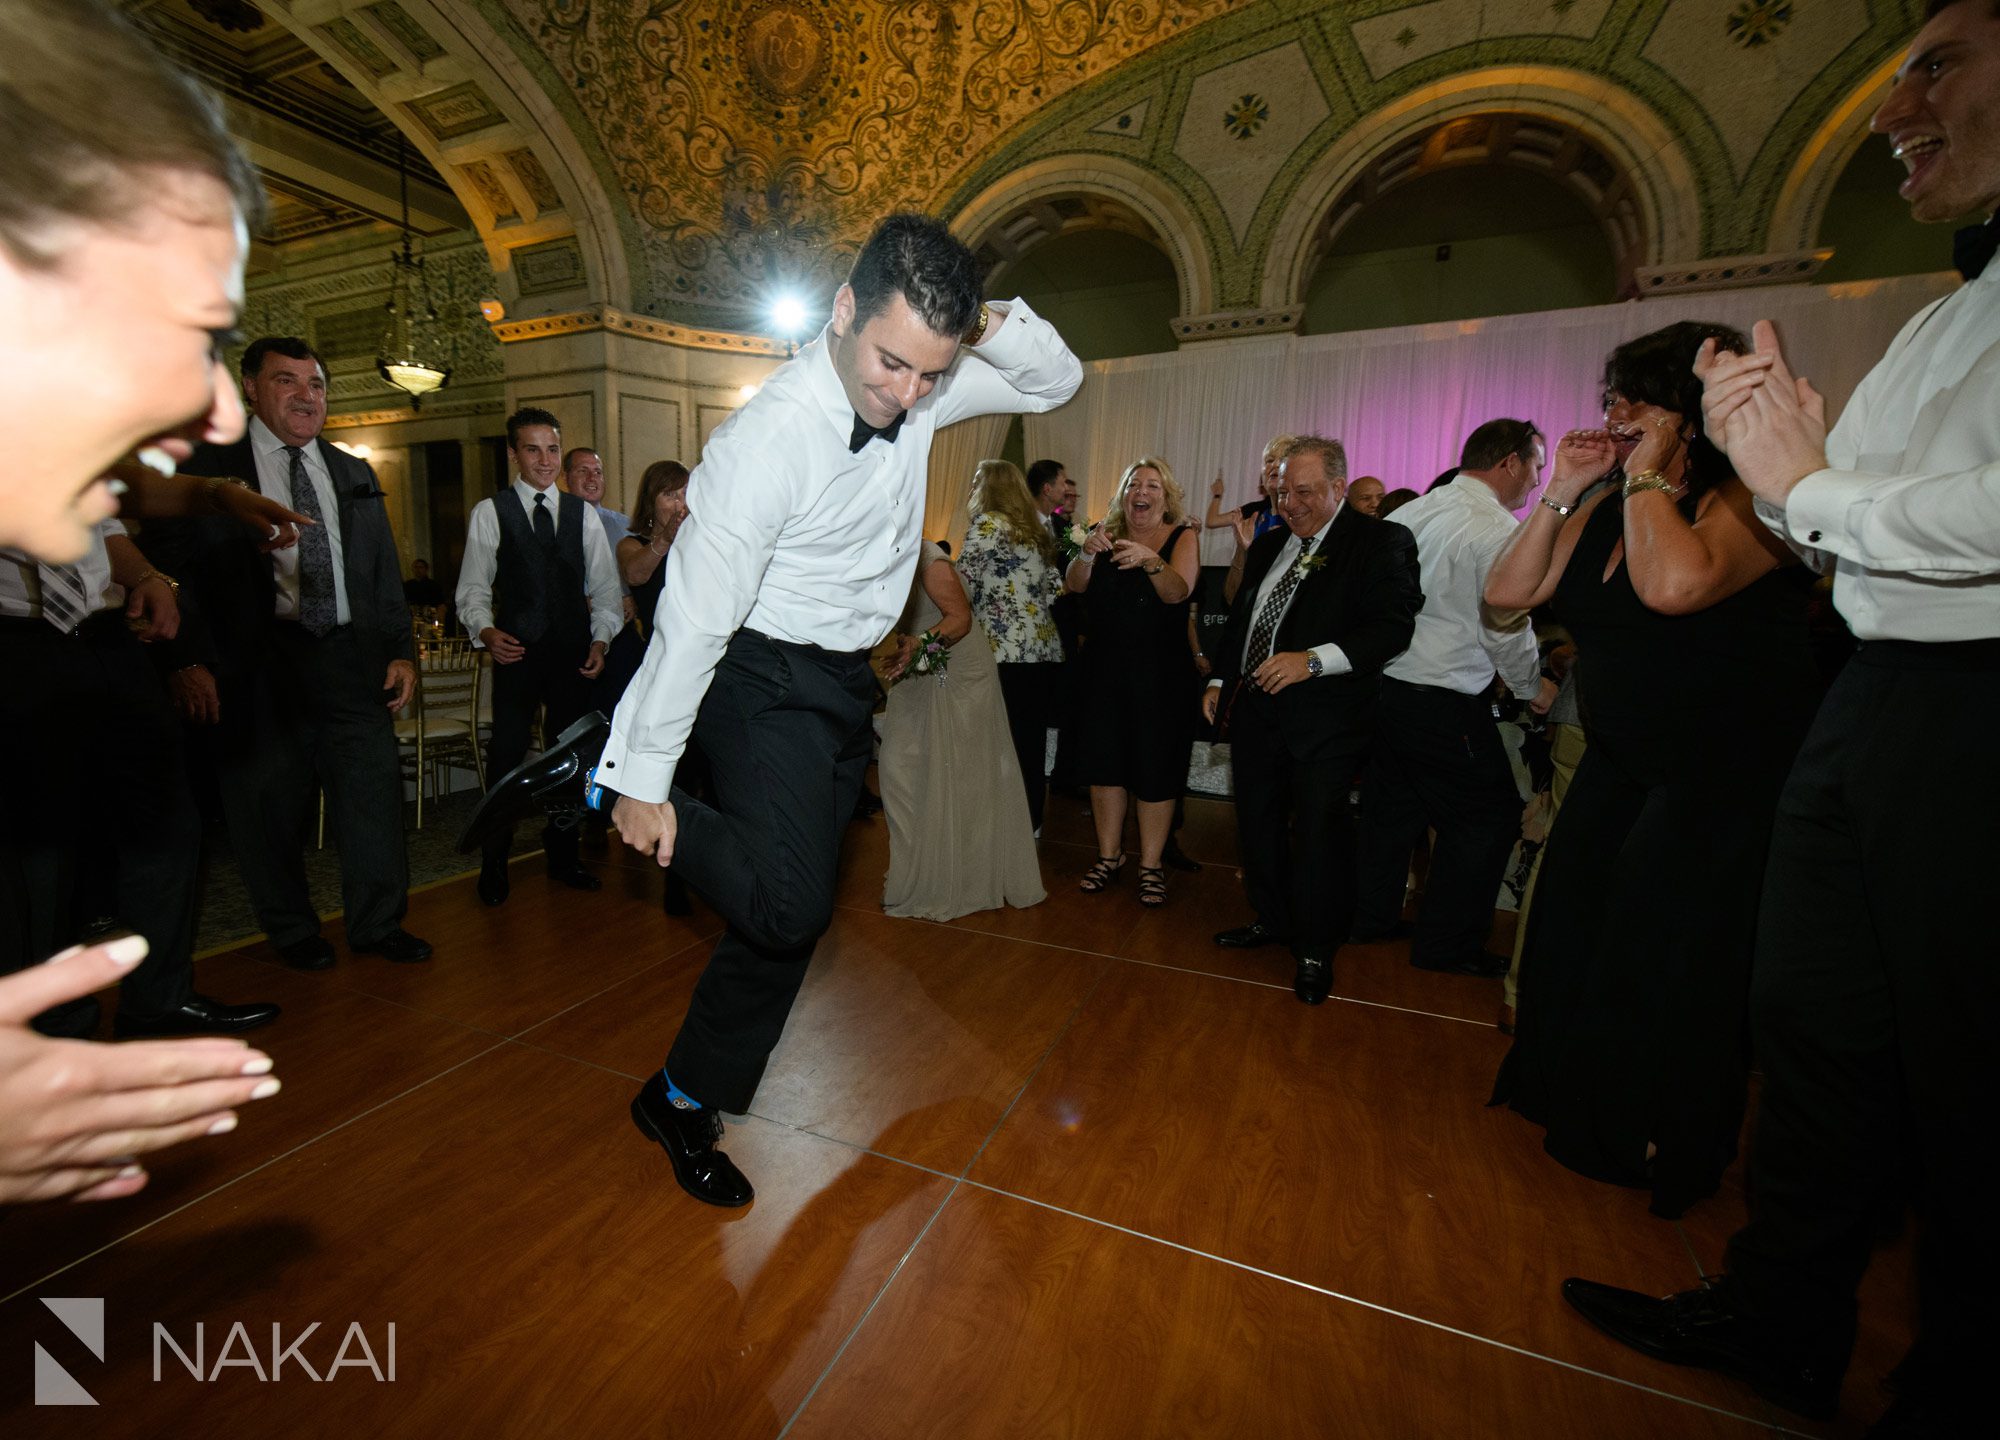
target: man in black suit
1325 603
295 663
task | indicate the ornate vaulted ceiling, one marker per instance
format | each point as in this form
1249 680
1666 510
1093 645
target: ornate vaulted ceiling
681 157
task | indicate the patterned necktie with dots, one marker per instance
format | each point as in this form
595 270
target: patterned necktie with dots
1266 627
318 609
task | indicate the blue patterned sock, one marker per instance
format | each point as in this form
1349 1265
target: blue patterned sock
682 1100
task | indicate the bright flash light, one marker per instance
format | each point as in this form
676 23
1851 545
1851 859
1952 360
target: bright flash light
744 392
789 314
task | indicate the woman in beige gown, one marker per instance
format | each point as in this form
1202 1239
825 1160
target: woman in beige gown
959 837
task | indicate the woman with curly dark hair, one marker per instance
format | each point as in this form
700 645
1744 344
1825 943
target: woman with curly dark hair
1696 685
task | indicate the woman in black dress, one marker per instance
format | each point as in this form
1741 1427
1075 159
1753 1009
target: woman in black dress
1696 687
1135 574
642 560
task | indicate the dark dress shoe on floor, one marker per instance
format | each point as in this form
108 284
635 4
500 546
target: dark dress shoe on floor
1173 855
493 882
576 877
688 1137
311 953
399 946
1703 1328
1313 981
1485 966
1247 937
200 1016
551 784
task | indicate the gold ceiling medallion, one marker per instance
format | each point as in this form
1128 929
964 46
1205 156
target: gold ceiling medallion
785 49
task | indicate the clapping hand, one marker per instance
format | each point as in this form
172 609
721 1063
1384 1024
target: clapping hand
1771 424
1096 542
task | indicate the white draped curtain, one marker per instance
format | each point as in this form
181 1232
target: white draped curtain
954 453
1402 400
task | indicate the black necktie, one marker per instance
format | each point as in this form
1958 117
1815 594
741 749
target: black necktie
545 523
864 432
318 604
1265 630
1973 247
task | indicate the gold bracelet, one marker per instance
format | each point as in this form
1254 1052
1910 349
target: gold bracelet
172 584
1652 480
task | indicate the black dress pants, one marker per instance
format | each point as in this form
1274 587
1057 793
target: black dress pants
545 675
1876 984
785 728
1028 688
314 718
1437 762
95 781
1294 833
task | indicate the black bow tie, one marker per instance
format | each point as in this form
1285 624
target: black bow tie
864 432
1973 247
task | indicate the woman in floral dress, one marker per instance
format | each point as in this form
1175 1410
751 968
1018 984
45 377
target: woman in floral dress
1011 565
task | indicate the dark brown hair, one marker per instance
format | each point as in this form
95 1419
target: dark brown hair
90 114
660 475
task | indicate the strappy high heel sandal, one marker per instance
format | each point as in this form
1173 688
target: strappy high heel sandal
1101 875
1152 886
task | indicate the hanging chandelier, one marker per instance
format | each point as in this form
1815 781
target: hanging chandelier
410 356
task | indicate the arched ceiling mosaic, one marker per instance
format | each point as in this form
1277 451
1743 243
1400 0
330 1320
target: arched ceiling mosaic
706 151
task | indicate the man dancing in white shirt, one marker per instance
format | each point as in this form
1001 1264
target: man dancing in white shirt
1874 990
804 526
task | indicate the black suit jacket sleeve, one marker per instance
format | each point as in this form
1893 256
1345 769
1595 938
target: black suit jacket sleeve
1384 599
373 571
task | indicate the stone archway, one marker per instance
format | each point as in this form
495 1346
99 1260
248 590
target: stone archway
1801 207
1649 168
1072 191
442 73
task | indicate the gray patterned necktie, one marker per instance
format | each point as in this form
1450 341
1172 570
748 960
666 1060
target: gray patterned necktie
64 600
318 610
1274 609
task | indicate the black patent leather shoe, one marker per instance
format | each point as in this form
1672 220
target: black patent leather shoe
551 784
311 953
688 1137
199 1016
1704 1328
1313 981
575 876
1247 937
493 882
398 945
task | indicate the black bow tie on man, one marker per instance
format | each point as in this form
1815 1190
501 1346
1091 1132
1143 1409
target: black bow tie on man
1972 248
864 432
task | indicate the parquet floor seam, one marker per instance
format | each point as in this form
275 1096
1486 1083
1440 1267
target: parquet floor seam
257 1169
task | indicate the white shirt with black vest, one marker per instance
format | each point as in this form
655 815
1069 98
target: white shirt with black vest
482 556
791 534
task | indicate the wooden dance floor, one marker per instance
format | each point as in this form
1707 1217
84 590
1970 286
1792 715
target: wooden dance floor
1068 1171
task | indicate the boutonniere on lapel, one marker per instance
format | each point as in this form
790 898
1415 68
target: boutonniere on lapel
1306 564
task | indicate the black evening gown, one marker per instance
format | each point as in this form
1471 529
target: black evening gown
1635 972
1140 687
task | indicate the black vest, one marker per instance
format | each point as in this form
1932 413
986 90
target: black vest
541 594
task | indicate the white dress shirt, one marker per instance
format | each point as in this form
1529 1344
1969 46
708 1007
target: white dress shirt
274 479
791 535
482 555
1461 528
617 525
1332 659
21 577
1908 508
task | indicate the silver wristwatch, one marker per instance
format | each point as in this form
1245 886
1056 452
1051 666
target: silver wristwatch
1313 667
